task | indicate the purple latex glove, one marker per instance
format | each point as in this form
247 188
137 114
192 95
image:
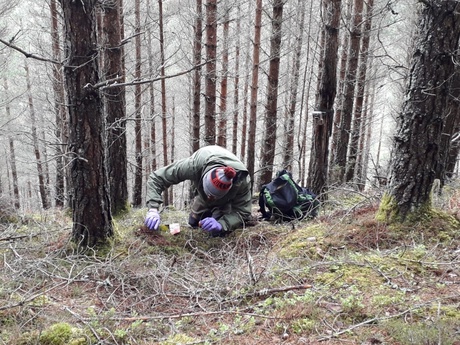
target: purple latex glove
210 224
152 219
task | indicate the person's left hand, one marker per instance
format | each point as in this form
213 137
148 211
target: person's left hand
210 224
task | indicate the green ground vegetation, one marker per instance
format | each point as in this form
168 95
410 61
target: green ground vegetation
345 277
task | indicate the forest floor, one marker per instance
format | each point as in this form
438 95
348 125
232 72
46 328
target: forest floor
342 278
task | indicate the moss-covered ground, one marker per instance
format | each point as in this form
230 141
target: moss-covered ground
342 278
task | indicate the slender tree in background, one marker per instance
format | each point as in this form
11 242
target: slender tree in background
290 113
334 171
42 181
366 130
164 114
14 171
172 145
137 187
349 91
211 75
92 218
223 123
361 86
244 120
269 142
153 136
422 119
14 175
197 43
254 90
307 85
325 95
115 106
236 84
61 131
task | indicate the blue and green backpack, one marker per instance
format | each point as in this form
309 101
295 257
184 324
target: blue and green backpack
284 199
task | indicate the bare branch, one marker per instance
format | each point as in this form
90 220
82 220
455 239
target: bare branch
103 85
29 55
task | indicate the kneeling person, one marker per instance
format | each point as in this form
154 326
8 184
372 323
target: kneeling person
222 190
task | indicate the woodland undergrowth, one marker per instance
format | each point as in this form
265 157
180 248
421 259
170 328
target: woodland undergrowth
340 278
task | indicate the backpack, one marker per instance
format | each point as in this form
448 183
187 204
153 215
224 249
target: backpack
284 199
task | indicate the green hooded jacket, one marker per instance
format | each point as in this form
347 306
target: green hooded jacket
233 209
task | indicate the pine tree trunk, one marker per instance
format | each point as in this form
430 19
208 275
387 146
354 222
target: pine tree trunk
366 132
254 90
333 170
92 219
115 109
236 84
14 172
289 116
305 103
164 115
244 120
137 187
449 147
152 133
42 184
269 142
59 110
326 89
222 128
360 89
349 91
211 75
197 44
14 175
424 113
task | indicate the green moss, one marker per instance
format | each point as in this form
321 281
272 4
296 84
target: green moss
302 243
425 217
302 326
57 334
178 339
388 210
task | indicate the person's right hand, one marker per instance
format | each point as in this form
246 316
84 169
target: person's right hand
152 219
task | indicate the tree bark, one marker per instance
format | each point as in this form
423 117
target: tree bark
61 131
236 84
339 102
349 91
325 95
137 187
254 90
424 112
211 75
115 109
269 142
152 134
289 116
197 44
308 77
42 181
92 218
14 175
361 85
223 123
14 171
164 114
449 141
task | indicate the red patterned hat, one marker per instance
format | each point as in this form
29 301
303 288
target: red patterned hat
218 181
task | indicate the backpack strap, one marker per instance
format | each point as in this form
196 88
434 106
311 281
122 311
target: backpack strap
265 213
